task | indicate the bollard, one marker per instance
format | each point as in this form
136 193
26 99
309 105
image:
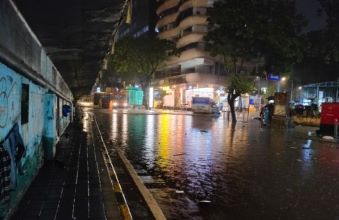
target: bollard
335 134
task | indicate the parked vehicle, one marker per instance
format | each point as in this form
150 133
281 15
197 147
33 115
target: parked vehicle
204 105
101 99
115 99
119 99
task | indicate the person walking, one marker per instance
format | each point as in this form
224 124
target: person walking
265 115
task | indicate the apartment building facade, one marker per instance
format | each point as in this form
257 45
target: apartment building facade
194 72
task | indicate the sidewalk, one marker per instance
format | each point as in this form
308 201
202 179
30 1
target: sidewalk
73 186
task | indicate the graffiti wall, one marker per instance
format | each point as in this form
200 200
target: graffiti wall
30 86
10 108
10 96
32 109
35 123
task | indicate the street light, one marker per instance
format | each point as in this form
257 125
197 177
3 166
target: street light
300 88
282 79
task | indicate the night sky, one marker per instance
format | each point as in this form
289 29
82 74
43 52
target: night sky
314 72
308 8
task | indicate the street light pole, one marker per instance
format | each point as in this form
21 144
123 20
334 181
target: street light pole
300 94
291 99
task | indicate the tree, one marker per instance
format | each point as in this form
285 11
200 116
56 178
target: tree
323 44
243 31
239 84
137 59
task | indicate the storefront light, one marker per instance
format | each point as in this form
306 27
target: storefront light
151 97
166 89
204 90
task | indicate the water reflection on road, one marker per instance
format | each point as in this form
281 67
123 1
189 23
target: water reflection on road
247 172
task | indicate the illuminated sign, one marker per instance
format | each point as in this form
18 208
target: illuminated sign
272 77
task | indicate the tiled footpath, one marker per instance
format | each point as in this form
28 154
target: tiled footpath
73 186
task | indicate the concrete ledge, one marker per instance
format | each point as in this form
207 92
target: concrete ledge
149 199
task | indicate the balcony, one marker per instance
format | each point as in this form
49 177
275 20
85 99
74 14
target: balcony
193 45
188 55
169 12
189 38
184 14
167 20
167 5
200 20
170 34
193 4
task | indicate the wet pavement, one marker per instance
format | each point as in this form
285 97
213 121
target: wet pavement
200 167
75 185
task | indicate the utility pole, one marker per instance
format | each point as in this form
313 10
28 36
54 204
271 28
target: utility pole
291 98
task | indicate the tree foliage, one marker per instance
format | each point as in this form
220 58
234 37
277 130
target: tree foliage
240 84
242 31
247 29
137 59
323 45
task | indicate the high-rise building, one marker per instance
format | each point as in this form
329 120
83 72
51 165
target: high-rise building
143 19
194 72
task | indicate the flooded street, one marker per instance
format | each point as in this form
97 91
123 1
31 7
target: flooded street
204 169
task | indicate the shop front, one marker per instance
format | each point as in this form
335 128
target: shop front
177 93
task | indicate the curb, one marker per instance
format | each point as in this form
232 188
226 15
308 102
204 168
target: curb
148 197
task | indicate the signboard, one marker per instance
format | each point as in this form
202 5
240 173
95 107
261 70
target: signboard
135 96
329 112
272 77
251 101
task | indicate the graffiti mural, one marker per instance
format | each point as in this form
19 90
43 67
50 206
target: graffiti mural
8 87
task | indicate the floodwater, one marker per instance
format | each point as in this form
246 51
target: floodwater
203 168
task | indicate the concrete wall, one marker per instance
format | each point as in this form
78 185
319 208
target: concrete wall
24 64
20 48
31 132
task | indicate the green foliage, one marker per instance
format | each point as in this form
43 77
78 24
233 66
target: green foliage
323 45
240 84
137 59
270 90
248 29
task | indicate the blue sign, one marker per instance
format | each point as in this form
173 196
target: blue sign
251 101
273 77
